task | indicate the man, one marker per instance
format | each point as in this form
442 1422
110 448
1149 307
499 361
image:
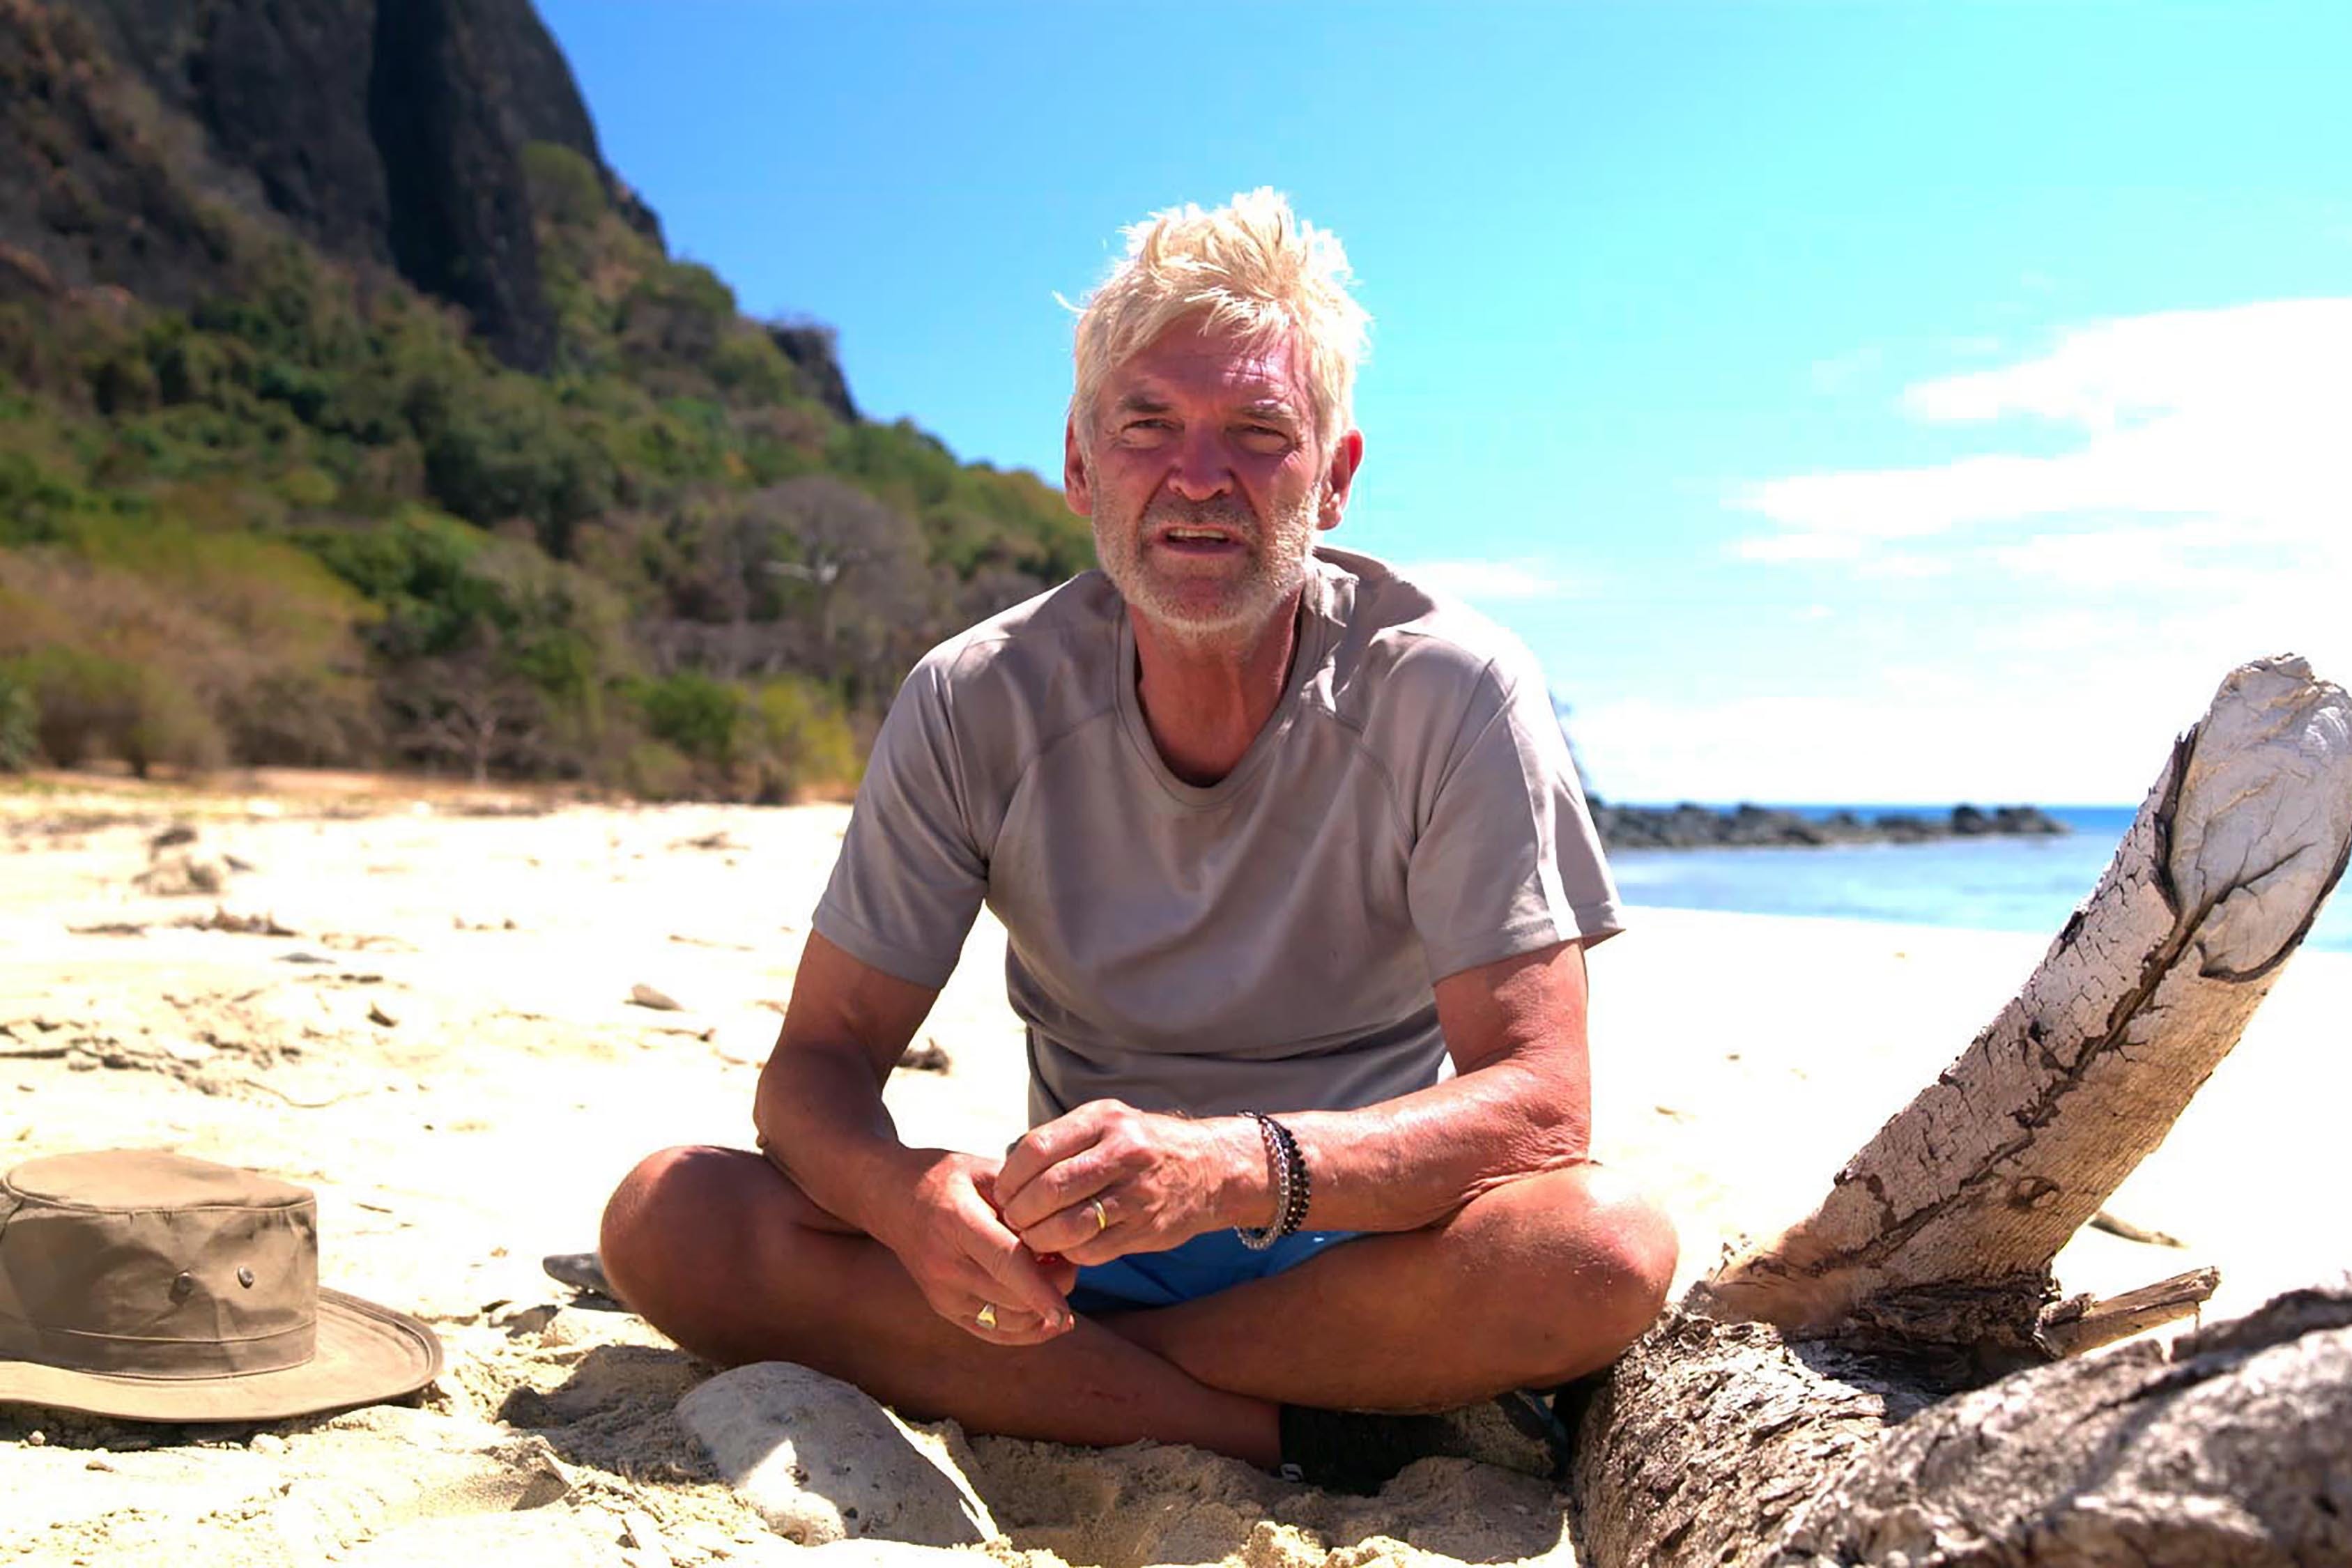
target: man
1277 841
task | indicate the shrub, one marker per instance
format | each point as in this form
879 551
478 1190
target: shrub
301 718
653 771
20 740
90 706
499 448
36 507
564 188
702 718
805 740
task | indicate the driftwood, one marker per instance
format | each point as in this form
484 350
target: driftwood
1883 1382
2085 1323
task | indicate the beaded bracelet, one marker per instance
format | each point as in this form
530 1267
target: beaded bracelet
1292 1190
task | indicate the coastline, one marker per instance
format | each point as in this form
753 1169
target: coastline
1689 825
1737 1059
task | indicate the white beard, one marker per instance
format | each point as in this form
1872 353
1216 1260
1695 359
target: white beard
1199 609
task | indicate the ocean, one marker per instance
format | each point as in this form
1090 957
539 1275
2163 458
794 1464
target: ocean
1987 884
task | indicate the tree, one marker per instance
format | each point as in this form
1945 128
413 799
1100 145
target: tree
472 706
1885 1381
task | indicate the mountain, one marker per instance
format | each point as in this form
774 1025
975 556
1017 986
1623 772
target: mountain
386 133
352 410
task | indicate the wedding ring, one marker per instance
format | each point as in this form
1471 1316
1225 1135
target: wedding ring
986 1316
1102 1214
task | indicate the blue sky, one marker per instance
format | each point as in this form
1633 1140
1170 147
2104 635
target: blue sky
1877 402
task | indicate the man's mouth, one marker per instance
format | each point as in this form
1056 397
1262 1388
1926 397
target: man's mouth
1199 536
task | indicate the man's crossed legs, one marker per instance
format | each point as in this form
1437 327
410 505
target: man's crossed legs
1532 1284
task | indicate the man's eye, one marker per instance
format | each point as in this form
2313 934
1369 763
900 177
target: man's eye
1266 437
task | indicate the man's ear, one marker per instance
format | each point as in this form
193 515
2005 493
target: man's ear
1077 484
1338 480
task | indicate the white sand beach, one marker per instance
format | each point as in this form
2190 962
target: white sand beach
443 1043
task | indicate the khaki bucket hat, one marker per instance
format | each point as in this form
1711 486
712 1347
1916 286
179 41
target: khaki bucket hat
147 1285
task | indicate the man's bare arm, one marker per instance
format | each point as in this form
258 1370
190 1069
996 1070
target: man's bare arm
819 1108
823 1122
1520 1103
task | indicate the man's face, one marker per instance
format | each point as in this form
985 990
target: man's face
1201 472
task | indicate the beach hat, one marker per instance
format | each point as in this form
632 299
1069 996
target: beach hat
143 1284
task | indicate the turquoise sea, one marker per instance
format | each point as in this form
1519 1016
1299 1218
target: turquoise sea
1990 884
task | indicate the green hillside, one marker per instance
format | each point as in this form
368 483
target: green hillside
279 505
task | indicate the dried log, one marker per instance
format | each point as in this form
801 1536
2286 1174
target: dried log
1728 1443
2084 1323
2228 1449
1999 1162
1851 1392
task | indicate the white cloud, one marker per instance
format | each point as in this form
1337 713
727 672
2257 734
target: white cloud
2055 741
1489 580
2236 414
2133 512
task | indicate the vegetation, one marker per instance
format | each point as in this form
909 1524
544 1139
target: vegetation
312 520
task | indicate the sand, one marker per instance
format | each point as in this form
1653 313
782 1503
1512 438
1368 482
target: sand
442 1040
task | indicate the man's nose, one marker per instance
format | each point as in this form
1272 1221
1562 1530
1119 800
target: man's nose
1201 469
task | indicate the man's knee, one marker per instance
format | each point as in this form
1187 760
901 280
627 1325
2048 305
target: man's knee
661 1213
1597 1279
1633 1249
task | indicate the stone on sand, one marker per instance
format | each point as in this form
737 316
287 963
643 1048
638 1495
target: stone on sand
182 873
823 1461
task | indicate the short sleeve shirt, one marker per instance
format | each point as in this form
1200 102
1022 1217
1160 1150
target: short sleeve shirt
1270 941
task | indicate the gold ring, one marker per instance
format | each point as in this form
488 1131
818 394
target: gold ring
1102 1214
986 1316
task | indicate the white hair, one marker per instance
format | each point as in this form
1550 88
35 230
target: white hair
1251 267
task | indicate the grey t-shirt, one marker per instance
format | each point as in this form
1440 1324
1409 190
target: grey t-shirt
1269 941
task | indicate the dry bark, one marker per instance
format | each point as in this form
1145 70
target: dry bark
2085 1323
1987 1173
1728 1444
1840 1396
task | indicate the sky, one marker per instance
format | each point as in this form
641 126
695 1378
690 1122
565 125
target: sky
1891 403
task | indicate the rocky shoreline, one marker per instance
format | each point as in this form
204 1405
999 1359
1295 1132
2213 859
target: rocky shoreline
1744 826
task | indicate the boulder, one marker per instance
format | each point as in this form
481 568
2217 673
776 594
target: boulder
822 1460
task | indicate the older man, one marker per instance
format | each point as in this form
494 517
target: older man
1297 880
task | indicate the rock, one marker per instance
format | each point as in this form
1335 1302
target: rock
659 1000
2025 819
238 925
884 1554
177 873
638 1529
814 353
584 1272
279 105
1693 827
928 1057
821 1461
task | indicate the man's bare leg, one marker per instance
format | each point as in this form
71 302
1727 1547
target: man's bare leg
1531 1284
726 1255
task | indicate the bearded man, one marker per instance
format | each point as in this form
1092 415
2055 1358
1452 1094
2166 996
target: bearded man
1297 880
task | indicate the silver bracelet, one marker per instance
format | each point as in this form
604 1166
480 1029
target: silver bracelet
1286 1173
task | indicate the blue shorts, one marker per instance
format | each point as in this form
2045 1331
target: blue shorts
1213 1261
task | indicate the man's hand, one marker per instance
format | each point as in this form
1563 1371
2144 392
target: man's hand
1107 1180
964 1259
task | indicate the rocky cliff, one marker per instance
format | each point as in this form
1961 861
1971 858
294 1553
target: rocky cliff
352 413
385 132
